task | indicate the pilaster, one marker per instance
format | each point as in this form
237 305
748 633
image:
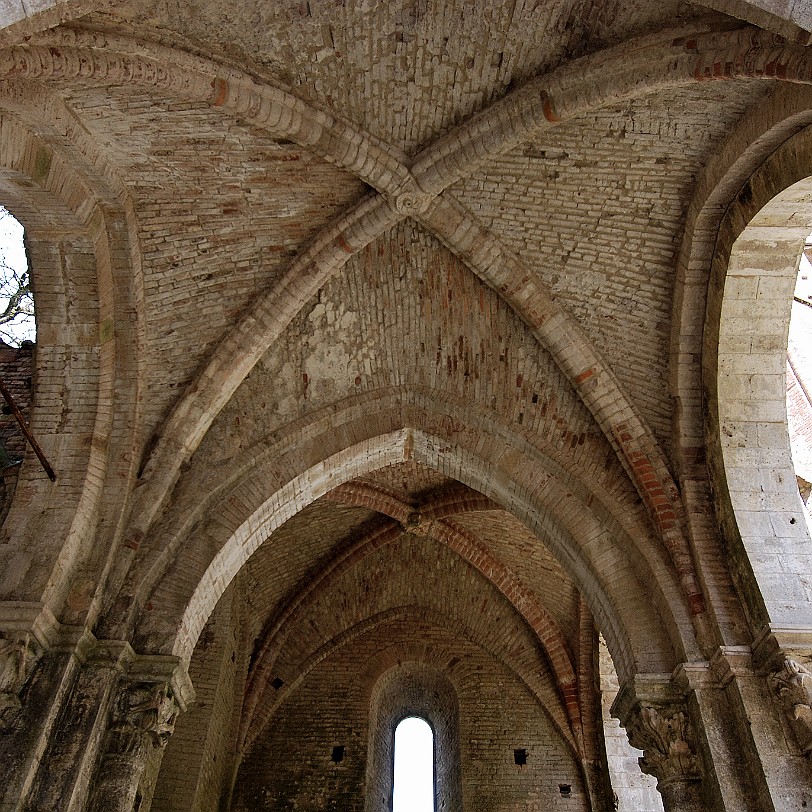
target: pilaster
76 710
148 701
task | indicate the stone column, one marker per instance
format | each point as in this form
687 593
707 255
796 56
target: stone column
148 702
763 764
656 720
144 717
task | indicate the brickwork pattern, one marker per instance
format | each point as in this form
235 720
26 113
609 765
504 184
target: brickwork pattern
490 779
16 372
375 334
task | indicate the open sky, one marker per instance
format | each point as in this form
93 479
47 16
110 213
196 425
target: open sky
12 254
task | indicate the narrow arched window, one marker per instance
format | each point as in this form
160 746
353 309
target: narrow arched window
413 789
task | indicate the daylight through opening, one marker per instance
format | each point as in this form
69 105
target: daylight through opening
17 322
799 376
413 789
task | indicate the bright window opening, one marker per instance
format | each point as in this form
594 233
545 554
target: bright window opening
799 377
17 323
414 767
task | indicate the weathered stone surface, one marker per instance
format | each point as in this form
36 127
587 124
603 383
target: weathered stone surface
792 685
391 355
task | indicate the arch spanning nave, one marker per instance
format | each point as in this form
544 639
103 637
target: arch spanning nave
412 358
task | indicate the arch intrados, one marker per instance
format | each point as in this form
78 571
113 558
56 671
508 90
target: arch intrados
611 500
276 456
93 179
642 623
332 424
760 268
522 600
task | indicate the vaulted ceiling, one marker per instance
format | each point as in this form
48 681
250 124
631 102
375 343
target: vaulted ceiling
404 273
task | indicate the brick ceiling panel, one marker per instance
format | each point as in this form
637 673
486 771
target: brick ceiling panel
326 529
596 206
413 571
405 312
222 209
295 551
405 71
408 481
526 555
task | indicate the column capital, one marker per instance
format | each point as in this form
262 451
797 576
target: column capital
652 709
791 684
149 695
164 668
144 713
19 654
153 691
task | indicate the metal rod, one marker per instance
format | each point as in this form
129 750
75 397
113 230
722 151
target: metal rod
26 431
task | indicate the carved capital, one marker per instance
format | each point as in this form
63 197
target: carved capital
664 735
791 684
19 653
145 714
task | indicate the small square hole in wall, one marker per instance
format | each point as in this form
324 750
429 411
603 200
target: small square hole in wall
565 790
520 756
277 683
338 753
